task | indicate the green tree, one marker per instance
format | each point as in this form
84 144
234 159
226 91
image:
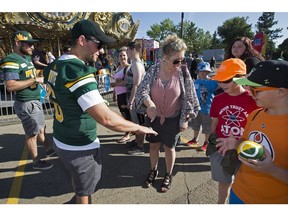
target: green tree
189 34
216 42
159 31
282 51
195 38
203 40
233 28
265 24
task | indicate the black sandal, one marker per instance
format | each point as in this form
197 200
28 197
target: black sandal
166 184
151 177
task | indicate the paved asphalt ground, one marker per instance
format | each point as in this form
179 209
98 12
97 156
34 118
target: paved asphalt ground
122 175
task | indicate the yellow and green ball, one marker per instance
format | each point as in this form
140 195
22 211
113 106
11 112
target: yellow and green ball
250 150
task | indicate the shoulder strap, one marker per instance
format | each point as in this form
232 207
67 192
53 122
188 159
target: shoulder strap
124 72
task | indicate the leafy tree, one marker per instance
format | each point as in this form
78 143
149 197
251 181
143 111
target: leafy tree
203 40
265 24
189 34
282 51
159 31
216 42
196 39
233 28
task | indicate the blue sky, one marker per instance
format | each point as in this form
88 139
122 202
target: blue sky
208 21
207 14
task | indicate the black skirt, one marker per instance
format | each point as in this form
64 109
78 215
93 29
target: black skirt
168 133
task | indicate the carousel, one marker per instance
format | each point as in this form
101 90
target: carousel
52 29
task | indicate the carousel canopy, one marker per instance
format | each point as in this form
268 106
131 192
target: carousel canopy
53 28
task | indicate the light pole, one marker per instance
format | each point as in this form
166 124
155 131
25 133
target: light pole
182 29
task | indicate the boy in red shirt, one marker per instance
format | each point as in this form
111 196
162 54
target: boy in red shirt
229 112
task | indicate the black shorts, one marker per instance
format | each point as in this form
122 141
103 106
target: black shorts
121 102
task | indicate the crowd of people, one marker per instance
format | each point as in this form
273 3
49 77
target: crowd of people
246 99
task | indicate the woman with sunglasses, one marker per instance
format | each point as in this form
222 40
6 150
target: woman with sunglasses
229 112
243 49
167 96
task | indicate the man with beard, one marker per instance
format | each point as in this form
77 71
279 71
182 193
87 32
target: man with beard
20 76
79 107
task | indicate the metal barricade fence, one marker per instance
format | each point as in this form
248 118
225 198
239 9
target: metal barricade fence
7 113
6 105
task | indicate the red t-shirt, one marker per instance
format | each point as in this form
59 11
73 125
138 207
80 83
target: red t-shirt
232 113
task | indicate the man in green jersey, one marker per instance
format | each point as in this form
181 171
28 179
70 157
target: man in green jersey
20 76
78 105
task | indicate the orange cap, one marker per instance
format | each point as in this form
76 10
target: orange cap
229 69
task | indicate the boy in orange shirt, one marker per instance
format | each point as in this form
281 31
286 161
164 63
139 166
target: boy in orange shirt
266 181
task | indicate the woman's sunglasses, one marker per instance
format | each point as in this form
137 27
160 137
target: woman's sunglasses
177 61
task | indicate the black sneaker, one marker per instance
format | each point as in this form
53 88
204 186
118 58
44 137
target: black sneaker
136 151
72 200
131 144
50 153
42 165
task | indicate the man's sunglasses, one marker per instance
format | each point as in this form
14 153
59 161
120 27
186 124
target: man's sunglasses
28 43
94 40
176 62
258 89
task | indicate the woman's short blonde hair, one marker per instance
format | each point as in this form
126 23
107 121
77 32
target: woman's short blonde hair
122 49
172 44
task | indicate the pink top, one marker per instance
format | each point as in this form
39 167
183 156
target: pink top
119 75
167 98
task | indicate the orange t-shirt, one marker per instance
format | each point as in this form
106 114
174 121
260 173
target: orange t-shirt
271 131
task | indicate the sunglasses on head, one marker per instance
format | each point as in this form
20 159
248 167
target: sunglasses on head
254 90
94 40
177 61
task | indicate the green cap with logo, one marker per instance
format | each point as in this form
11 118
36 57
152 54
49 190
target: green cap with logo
271 73
89 28
23 36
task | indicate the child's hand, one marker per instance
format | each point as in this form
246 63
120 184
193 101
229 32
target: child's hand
225 144
265 166
183 127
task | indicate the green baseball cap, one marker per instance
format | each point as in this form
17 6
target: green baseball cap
271 73
89 28
23 36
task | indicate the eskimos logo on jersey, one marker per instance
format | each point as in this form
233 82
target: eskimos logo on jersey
262 139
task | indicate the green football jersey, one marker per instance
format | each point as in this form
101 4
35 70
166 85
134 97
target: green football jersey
68 80
16 67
